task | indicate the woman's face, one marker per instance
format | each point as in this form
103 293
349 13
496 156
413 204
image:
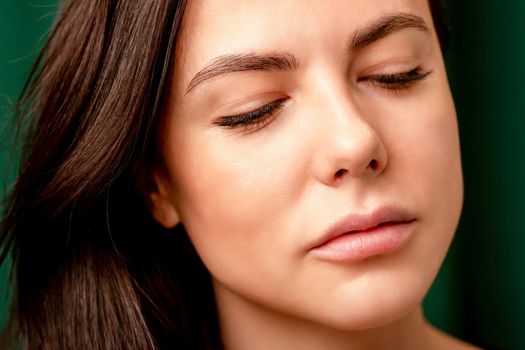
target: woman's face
353 119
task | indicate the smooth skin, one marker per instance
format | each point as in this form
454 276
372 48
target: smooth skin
254 199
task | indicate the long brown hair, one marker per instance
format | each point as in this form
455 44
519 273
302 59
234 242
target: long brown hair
91 269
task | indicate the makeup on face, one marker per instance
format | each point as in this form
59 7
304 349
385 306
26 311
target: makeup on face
312 155
359 236
231 85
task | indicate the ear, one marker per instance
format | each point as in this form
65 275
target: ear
156 188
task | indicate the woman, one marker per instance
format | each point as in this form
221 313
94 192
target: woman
238 175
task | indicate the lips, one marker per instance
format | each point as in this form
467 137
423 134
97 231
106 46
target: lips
359 235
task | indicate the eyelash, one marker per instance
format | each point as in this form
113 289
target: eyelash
258 118
255 119
397 81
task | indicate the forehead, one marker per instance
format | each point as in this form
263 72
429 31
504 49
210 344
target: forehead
213 28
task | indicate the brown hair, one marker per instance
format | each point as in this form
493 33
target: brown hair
91 269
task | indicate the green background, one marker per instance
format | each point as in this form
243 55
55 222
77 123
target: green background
479 294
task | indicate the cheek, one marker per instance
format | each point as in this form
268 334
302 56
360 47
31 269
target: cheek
436 168
421 138
234 199
428 164
445 183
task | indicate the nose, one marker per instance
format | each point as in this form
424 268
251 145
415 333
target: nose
349 146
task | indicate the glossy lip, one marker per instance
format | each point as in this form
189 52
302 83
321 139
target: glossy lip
358 236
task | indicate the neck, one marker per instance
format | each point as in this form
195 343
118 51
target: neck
246 325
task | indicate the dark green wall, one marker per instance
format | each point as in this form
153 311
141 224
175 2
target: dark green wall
480 295
487 68
480 292
23 26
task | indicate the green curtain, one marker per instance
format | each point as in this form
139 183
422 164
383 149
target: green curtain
23 27
479 294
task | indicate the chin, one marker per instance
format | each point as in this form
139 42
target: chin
373 319
375 307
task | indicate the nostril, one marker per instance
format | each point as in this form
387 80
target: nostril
374 165
340 173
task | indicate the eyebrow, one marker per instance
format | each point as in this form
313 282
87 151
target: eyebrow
284 61
385 26
244 62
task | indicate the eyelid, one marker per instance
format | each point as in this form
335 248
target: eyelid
259 117
397 81
253 119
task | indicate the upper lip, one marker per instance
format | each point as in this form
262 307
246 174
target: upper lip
360 222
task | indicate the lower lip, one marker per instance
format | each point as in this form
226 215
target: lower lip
360 245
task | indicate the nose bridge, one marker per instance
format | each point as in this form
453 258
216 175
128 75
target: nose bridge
349 144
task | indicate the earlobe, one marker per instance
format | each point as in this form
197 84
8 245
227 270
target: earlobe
160 201
164 213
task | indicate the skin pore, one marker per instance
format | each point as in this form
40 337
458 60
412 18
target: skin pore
284 117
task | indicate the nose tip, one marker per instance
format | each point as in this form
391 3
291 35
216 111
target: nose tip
354 152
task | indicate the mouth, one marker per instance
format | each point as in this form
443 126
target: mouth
359 236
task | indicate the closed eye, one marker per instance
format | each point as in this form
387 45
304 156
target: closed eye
260 117
252 120
396 81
